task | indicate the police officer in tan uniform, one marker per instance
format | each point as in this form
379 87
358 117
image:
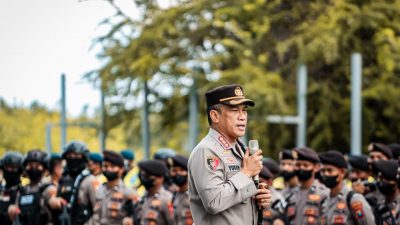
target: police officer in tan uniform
305 205
155 207
342 206
114 201
178 174
388 212
221 188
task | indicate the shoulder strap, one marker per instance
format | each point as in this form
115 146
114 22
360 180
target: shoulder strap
348 202
75 188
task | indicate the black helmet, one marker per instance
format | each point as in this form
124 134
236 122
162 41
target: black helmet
35 155
13 159
78 147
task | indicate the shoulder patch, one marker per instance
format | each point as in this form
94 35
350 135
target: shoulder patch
212 162
156 202
314 197
341 205
224 142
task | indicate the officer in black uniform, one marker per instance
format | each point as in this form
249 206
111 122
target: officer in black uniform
76 194
388 212
11 165
30 209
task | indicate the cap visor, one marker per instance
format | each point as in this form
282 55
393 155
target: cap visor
236 102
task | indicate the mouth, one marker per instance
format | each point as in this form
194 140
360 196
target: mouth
241 127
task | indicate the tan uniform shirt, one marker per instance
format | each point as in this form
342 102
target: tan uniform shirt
337 211
219 192
183 215
157 209
112 204
305 206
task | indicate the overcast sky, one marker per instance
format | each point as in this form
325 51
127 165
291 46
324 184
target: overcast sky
42 39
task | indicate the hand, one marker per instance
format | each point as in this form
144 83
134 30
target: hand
252 164
13 212
358 187
56 202
127 221
263 198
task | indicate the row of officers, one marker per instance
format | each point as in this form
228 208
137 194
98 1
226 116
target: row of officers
325 188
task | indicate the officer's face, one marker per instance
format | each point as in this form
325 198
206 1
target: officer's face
376 156
177 170
231 121
34 165
329 171
357 174
305 165
107 166
287 165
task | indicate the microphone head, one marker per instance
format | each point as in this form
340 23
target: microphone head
253 144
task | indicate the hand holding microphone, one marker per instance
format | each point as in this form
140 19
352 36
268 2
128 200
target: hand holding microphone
252 164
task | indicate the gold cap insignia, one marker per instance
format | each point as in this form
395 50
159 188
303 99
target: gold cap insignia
238 91
371 147
295 154
170 161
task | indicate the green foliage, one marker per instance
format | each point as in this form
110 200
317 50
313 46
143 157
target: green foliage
257 43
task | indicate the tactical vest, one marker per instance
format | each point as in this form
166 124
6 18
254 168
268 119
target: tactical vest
29 204
68 189
8 196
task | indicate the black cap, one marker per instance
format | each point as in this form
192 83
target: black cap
305 153
231 95
359 162
386 168
285 154
379 147
395 150
113 158
266 173
153 167
178 160
333 157
272 166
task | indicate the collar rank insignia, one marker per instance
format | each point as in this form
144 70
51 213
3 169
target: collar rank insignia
224 142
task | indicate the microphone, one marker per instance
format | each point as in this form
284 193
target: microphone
253 145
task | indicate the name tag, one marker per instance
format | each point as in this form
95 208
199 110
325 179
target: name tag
234 167
26 200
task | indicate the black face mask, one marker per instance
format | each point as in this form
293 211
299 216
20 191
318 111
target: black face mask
330 181
146 182
34 175
75 166
303 175
179 180
287 175
110 175
12 178
386 188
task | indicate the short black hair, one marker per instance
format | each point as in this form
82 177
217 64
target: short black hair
216 107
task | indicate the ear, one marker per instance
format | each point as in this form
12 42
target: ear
215 116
